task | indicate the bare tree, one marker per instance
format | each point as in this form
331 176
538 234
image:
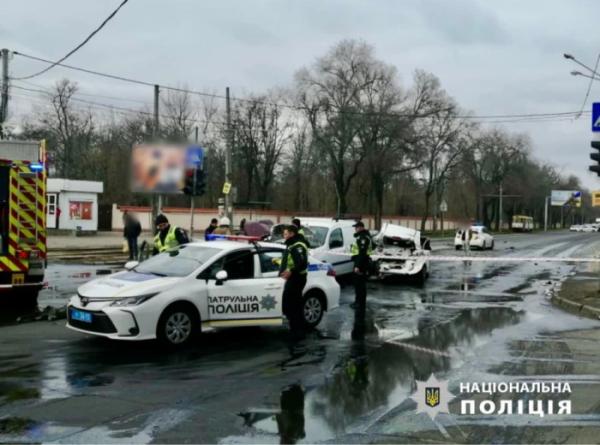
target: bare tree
261 133
72 130
333 95
440 136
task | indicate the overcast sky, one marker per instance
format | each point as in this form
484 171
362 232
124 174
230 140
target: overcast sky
493 57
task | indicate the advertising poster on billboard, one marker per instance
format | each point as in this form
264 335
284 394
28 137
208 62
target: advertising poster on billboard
160 168
560 198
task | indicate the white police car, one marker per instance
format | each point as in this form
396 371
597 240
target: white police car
199 286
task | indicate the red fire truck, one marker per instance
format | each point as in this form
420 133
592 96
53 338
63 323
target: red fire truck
22 218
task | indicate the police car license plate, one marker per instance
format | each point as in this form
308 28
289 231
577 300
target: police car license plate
81 316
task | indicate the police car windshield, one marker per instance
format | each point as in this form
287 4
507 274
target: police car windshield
179 262
317 236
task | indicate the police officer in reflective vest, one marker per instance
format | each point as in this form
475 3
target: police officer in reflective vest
361 256
293 269
296 222
168 236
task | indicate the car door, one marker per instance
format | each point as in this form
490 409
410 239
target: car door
336 242
246 297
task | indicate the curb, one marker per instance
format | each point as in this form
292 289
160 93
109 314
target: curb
580 308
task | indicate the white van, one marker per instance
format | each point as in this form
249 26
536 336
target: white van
330 240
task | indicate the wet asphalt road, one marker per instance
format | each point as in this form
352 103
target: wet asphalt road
473 323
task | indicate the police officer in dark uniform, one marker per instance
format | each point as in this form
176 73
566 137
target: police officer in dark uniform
293 269
296 222
361 256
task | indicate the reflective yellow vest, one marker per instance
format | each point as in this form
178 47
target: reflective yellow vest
289 265
170 240
354 248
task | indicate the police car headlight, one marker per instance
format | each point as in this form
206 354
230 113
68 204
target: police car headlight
133 301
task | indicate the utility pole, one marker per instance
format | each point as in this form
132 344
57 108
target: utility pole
156 200
546 214
500 209
228 210
192 197
4 94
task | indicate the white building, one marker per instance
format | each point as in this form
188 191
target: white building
72 204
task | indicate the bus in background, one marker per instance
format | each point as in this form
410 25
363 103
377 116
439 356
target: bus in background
522 223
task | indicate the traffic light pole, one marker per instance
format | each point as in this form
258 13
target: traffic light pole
192 205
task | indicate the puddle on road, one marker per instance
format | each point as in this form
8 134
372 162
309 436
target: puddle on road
375 376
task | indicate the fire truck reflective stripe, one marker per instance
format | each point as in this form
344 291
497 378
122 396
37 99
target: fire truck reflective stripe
10 265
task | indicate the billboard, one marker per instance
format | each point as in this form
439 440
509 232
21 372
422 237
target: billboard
565 197
596 198
160 168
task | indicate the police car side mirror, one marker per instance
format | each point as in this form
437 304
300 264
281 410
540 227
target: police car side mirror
129 265
221 277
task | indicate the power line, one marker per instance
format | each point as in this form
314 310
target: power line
70 53
284 105
104 106
79 93
124 110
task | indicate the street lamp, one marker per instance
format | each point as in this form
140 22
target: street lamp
594 73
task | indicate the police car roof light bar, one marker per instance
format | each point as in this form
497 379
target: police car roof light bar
215 237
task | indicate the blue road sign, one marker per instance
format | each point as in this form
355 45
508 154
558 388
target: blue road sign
596 117
194 156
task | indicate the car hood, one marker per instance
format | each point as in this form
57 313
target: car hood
395 231
126 284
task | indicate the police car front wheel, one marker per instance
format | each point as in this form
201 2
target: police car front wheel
177 326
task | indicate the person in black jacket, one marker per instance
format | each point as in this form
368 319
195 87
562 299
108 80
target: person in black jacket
294 269
361 256
211 228
131 231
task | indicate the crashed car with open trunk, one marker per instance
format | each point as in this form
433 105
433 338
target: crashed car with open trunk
401 252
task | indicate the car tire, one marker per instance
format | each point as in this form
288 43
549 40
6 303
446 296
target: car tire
178 325
483 246
420 278
492 246
458 247
313 308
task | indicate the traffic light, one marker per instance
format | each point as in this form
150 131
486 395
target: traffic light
195 182
595 157
200 183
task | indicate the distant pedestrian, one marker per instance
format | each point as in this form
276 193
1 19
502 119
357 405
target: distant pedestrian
224 227
131 231
243 226
211 228
361 256
466 237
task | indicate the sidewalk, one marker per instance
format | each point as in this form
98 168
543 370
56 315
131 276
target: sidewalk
580 295
102 240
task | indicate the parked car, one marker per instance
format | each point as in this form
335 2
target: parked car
480 238
199 286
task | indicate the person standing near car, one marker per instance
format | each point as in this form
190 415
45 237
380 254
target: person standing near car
361 256
296 222
224 227
131 231
466 236
294 269
211 228
168 236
